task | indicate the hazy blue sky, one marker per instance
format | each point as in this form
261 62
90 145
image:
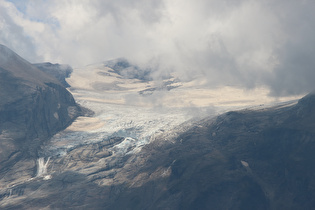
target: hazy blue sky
229 42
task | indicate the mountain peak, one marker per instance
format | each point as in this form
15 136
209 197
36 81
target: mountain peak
127 70
14 65
33 106
5 54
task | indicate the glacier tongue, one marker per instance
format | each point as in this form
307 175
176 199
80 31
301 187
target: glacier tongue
136 124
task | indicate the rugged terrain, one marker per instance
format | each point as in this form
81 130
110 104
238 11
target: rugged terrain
130 155
249 159
33 107
59 71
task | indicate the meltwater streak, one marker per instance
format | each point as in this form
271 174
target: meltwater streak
42 166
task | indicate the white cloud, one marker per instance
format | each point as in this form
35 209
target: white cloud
240 42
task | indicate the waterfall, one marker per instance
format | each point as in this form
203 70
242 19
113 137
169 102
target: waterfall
42 166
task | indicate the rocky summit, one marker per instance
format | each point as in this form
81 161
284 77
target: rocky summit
255 158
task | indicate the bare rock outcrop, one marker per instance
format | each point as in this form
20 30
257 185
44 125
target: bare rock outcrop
34 106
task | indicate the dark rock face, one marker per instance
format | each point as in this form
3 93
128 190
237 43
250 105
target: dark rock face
122 67
34 106
58 71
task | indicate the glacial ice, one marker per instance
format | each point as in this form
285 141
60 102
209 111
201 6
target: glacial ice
137 125
124 113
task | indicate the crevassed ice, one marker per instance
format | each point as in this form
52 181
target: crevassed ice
137 125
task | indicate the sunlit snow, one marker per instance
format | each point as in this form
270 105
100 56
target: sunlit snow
120 110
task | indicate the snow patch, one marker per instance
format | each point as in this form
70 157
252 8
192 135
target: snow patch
244 163
56 115
42 167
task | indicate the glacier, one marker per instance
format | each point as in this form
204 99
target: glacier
121 111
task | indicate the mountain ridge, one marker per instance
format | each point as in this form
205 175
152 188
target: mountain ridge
34 106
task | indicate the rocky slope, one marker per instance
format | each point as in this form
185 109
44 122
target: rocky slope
58 71
34 106
250 159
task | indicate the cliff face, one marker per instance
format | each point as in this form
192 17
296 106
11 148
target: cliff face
58 71
48 110
33 107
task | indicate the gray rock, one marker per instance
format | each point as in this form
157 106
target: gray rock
59 71
33 107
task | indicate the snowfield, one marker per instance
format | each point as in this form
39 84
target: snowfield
139 110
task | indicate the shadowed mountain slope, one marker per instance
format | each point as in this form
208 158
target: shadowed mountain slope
260 159
34 106
58 71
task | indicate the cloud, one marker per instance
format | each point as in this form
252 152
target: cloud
12 33
229 42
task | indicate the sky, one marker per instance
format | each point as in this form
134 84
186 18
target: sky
247 43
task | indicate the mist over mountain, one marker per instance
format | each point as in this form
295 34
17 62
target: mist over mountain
130 155
244 43
122 67
60 72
